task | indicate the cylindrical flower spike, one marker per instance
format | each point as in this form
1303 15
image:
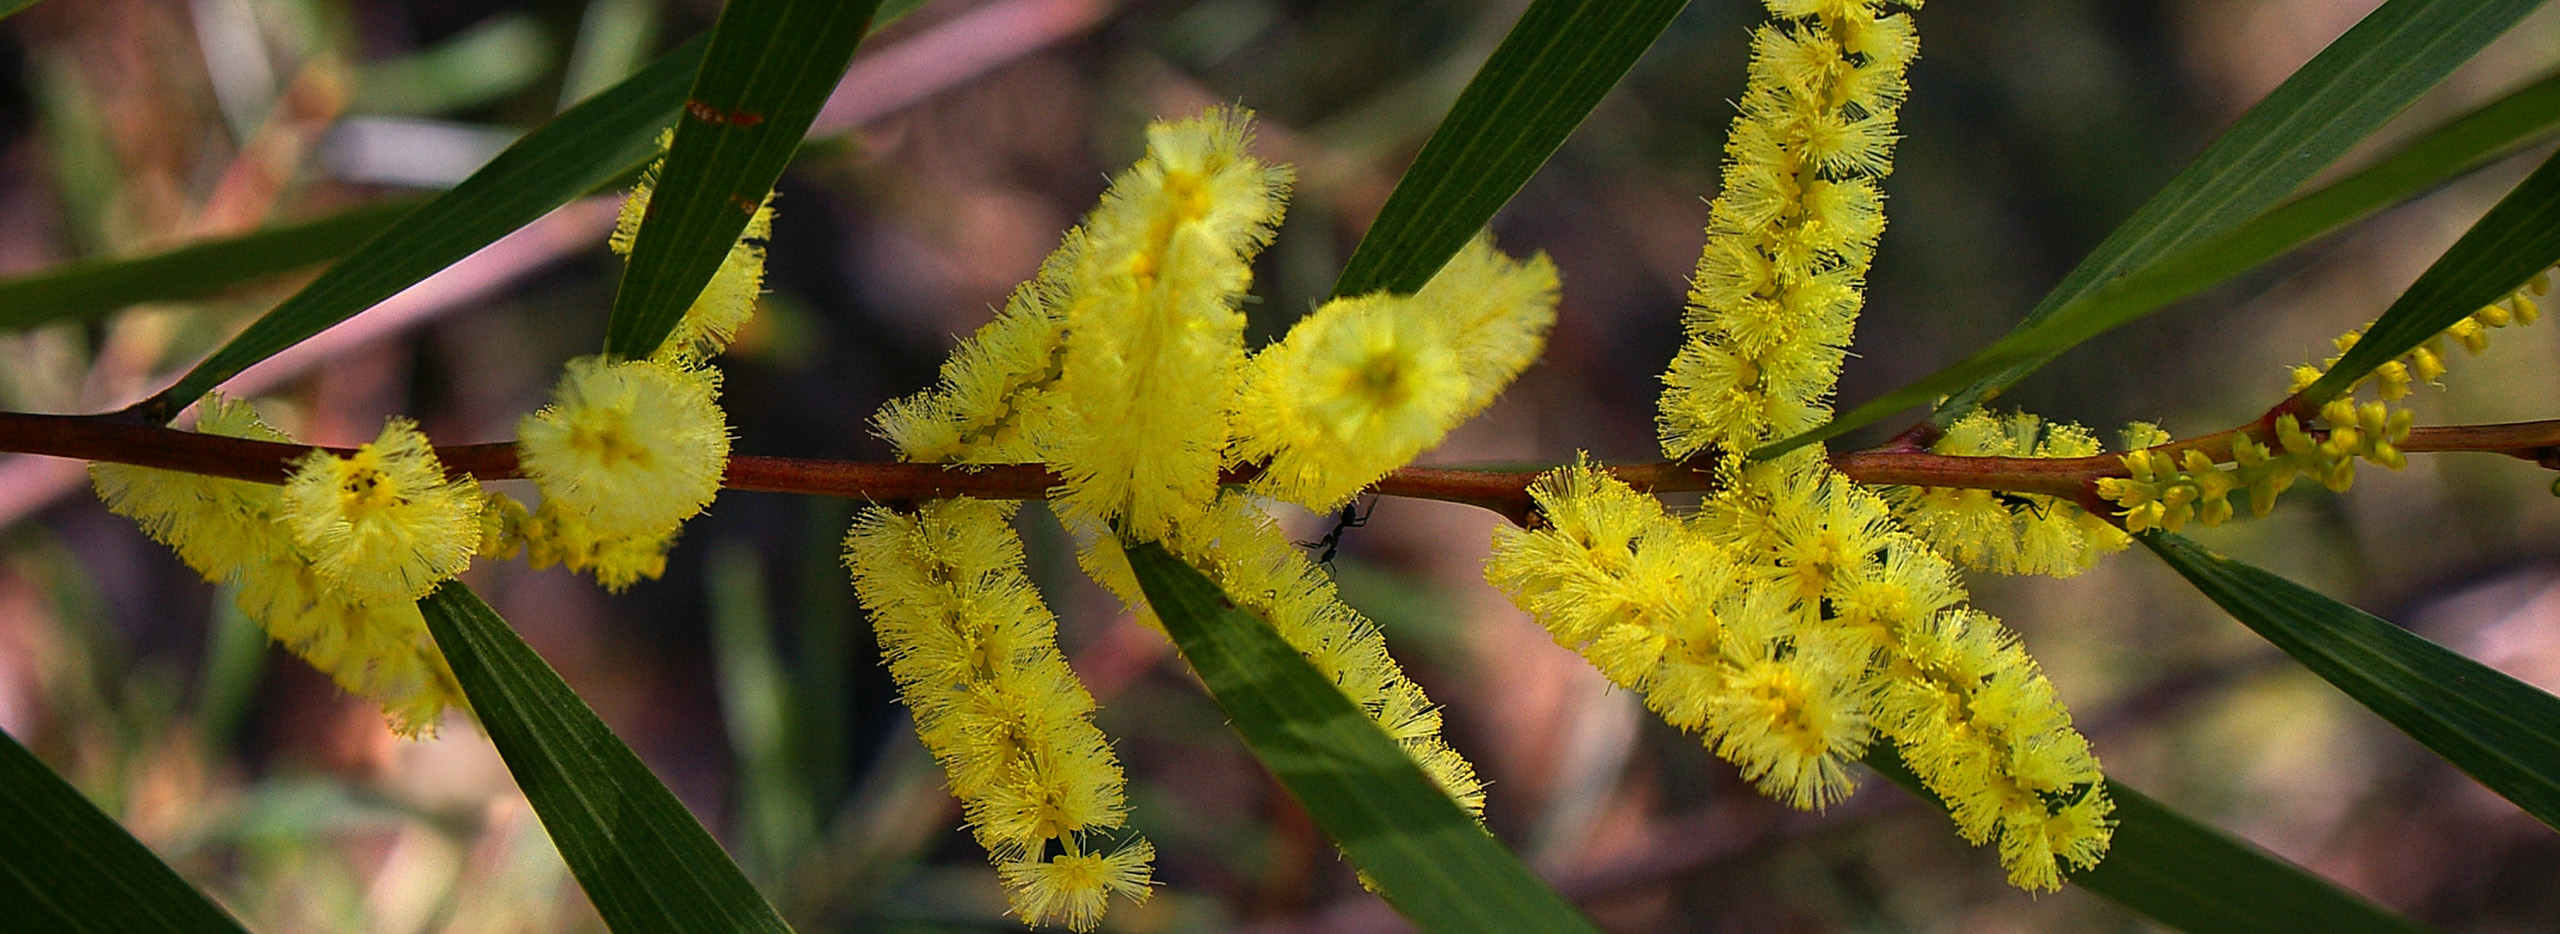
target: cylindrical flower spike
975 655
1153 351
1789 239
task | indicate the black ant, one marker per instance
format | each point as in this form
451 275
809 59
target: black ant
2015 501
1352 517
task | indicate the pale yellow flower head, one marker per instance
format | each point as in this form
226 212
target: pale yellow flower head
628 448
1073 889
1362 385
384 523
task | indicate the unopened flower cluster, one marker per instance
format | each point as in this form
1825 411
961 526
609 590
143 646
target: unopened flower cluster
333 561
2167 490
1122 366
1796 620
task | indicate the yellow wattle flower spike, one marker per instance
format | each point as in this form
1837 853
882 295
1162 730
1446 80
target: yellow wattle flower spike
628 448
216 525
976 658
385 523
1154 341
1791 235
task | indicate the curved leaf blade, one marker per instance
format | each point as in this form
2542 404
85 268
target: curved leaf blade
1426 857
1550 70
66 866
641 857
88 288
770 67
2502 731
2188 875
2519 237
2374 71
583 148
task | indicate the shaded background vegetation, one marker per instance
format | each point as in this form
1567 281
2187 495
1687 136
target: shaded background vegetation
971 135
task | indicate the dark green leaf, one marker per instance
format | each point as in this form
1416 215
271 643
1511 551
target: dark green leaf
771 65
642 858
1547 74
2502 731
196 270
11 7
2187 875
583 148
2333 102
66 866
2519 237
1424 855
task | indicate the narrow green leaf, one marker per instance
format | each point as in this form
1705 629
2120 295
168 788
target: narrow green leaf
771 65
204 268
66 866
1423 855
2187 875
2331 103
1550 70
642 858
2502 731
2519 237
13 7
583 148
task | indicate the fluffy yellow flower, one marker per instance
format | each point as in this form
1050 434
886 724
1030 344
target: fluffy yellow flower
384 524
976 658
629 448
1793 718
1074 888
1153 353
1361 385
1789 240
1357 389
216 525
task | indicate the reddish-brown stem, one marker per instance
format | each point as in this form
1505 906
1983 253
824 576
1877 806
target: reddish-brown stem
125 440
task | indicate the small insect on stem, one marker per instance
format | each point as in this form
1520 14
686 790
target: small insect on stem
1352 517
